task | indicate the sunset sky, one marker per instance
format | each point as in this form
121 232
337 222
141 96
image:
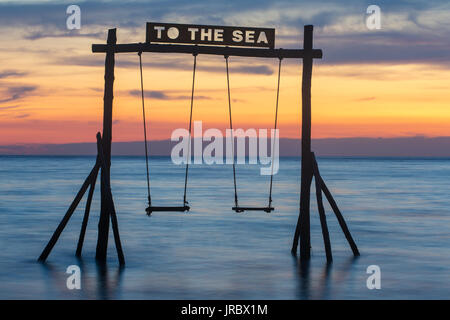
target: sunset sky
392 82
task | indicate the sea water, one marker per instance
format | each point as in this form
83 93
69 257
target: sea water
398 211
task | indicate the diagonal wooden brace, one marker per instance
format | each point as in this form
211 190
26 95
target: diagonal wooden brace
323 219
69 213
86 215
337 212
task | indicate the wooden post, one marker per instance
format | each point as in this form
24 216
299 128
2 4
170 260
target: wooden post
103 225
110 202
302 230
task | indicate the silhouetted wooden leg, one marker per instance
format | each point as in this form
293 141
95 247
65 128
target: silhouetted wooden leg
68 214
115 227
103 224
323 219
106 188
86 215
303 212
302 230
340 218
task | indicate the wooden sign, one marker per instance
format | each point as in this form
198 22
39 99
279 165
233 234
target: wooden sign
210 35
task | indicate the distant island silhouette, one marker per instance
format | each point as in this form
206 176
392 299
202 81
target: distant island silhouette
417 146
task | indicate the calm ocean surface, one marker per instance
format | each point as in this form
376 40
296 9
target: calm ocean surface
398 211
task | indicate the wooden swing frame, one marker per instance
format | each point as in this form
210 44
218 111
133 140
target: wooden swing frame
309 167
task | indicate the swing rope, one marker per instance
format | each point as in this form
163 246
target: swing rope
269 207
190 130
275 132
151 208
231 133
145 130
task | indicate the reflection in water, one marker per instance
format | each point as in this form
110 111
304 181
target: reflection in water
56 280
107 288
325 281
346 270
99 285
321 285
302 269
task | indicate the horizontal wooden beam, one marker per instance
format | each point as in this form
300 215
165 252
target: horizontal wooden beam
215 50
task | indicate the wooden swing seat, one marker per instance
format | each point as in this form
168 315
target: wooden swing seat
242 209
151 209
